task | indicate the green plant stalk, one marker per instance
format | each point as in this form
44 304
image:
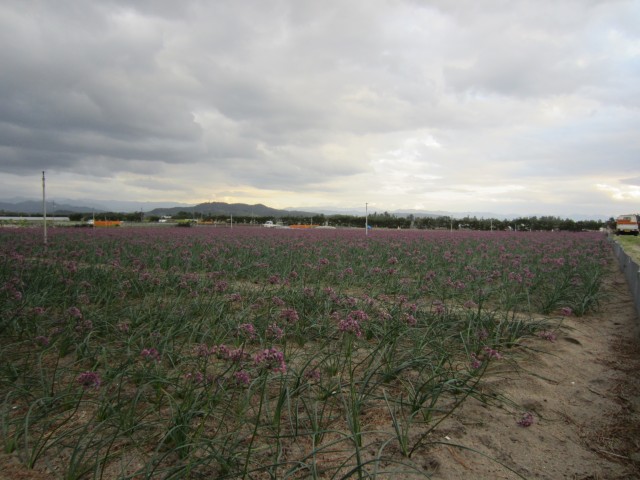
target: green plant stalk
263 393
40 445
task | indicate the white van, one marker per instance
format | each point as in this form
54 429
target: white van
627 224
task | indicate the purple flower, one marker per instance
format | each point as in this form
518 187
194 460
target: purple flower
290 315
359 315
89 379
74 312
475 362
202 350
566 311
271 359
548 336
438 307
491 353
470 304
150 354
242 378
526 420
312 375
237 355
84 326
410 320
247 330
234 297
350 325
221 351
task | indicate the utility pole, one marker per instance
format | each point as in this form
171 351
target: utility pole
366 219
44 210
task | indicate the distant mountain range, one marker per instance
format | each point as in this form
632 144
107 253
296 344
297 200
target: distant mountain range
66 207
69 206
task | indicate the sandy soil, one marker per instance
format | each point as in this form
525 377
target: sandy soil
583 391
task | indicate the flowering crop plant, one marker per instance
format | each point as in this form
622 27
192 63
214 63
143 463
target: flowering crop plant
252 353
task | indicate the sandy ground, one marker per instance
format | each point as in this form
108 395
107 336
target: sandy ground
583 391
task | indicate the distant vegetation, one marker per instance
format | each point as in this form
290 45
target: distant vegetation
376 220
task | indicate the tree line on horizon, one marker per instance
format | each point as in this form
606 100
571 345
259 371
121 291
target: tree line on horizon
376 220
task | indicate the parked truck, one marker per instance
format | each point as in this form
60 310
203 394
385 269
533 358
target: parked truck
627 224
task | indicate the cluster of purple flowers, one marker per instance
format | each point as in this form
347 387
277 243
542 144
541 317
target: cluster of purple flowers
410 320
290 315
84 326
438 307
550 336
491 353
248 331
89 379
470 304
150 354
312 375
242 378
351 324
270 359
74 312
225 353
234 297
476 363
488 353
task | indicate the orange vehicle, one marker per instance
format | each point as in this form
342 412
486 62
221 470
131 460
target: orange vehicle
107 223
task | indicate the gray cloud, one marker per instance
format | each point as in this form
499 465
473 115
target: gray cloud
377 98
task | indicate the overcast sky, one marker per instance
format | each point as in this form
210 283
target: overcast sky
528 107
